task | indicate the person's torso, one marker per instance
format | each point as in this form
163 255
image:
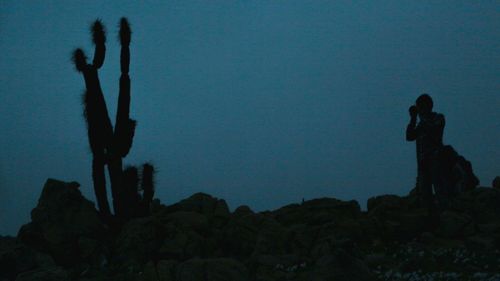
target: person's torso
430 136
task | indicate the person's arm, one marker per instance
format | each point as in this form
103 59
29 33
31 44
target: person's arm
411 129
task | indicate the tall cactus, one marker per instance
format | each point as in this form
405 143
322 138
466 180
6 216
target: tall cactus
109 146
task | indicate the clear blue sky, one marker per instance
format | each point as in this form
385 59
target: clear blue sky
258 102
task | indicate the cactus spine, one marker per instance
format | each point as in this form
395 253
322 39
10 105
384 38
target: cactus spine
109 146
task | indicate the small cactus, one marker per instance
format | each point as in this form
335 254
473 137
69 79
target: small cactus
147 186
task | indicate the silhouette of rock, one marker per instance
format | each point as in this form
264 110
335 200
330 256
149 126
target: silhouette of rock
455 225
317 211
242 211
496 183
221 269
16 257
65 225
163 270
198 238
44 274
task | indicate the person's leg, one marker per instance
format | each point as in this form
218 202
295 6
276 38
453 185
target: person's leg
442 184
425 185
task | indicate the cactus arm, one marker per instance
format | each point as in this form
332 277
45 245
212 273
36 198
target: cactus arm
115 170
124 130
124 126
99 40
100 184
125 37
79 60
100 130
131 185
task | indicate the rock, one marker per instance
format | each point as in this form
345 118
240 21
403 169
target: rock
395 221
202 203
239 237
384 203
199 239
455 225
375 259
60 220
244 235
164 270
189 221
221 269
317 211
242 211
14 258
139 240
339 265
496 183
44 274
396 218
487 204
281 267
426 237
492 228
301 238
480 243
216 210
184 243
271 238
482 204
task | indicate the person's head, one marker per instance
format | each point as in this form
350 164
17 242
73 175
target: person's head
424 104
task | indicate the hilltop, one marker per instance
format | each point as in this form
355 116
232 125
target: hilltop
198 238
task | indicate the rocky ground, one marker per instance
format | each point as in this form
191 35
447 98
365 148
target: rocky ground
198 238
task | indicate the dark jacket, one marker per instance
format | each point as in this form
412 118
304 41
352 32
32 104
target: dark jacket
428 134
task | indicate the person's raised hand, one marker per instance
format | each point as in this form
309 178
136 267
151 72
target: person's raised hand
413 111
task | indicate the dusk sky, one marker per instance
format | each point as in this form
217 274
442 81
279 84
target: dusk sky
261 103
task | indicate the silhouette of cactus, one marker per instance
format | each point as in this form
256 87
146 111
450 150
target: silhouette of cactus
109 146
140 196
147 186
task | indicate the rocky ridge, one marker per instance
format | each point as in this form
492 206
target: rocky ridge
199 238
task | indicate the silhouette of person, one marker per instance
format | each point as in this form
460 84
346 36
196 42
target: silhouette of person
428 134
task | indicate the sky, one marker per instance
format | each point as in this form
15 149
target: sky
260 103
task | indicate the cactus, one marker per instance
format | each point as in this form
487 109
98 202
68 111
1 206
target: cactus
109 146
147 186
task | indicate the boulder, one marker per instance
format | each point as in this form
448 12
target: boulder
301 239
397 218
496 183
139 240
216 210
189 220
271 238
317 211
280 267
239 237
455 225
481 242
242 211
339 265
44 274
244 235
203 204
62 223
16 258
482 204
384 203
220 269
163 270
184 244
